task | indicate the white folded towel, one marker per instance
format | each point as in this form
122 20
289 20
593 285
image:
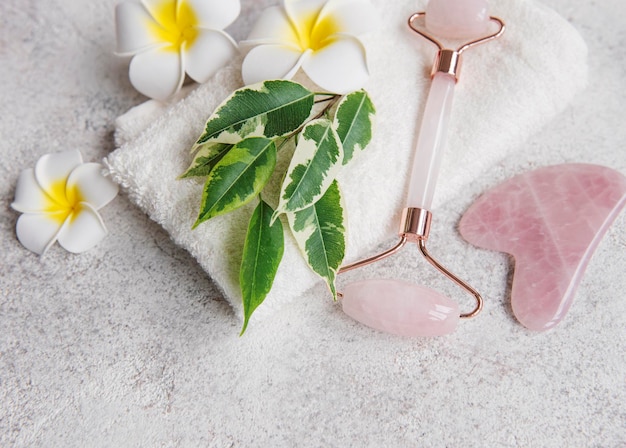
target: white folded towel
508 89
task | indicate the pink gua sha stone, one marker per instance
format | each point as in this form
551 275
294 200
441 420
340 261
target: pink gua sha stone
397 306
551 220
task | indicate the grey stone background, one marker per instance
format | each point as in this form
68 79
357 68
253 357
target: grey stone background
130 344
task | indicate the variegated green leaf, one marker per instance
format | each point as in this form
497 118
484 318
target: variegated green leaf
238 177
320 233
262 252
314 165
353 122
269 109
206 158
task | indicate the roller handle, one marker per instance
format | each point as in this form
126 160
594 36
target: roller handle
431 142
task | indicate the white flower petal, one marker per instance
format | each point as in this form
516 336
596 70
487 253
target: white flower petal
352 17
88 183
83 230
273 26
37 232
301 11
29 197
157 73
270 62
214 14
210 51
304 14
51 169
132 21
340 67
160 8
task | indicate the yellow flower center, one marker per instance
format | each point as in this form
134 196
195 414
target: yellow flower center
174 27
315 34
62 203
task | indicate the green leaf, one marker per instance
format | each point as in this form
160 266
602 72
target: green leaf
320 233
269 109
262 253
314 165
354 122
208 155
238 177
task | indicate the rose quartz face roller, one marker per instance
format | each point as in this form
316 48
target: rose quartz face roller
397 306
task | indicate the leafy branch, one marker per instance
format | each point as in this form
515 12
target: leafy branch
237 154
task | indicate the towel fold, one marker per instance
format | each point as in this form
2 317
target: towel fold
508 89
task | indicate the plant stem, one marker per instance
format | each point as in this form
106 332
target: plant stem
331 97
284 142
331 102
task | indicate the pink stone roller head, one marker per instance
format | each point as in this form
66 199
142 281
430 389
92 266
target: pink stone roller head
397 306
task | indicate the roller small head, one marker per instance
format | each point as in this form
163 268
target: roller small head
457 19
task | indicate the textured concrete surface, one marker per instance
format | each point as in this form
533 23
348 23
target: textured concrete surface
130 344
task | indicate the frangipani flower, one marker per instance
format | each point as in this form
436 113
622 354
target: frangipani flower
168 38
321 36
60 200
